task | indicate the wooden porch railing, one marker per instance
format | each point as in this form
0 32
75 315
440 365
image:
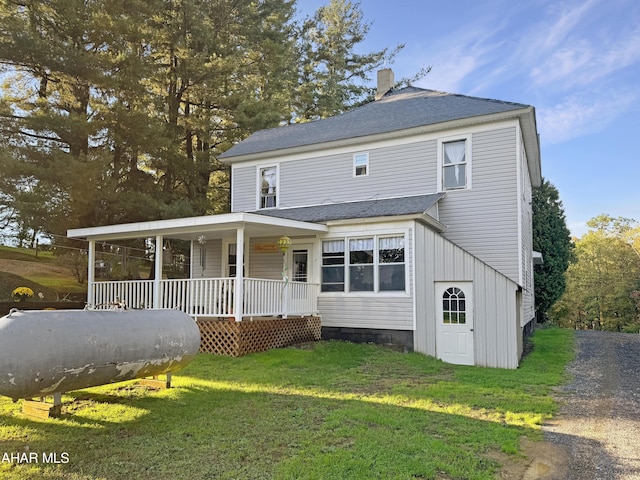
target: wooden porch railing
212 297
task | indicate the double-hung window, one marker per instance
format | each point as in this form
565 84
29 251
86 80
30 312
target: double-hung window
361 165
333 266
361 265
268 189
391 263
369 264
455 164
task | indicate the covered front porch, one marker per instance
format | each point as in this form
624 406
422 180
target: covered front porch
267 285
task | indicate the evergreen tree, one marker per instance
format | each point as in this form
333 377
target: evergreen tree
551 237
332 76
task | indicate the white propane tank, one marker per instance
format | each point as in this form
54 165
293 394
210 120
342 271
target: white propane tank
43 352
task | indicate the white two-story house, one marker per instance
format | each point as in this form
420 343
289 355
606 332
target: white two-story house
409 222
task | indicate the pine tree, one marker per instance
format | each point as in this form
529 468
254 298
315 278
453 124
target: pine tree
551 237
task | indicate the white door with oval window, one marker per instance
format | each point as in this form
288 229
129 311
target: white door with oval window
454 322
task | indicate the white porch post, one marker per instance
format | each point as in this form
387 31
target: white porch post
157 257
91 276
239 286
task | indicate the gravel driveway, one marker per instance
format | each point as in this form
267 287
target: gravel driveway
599 422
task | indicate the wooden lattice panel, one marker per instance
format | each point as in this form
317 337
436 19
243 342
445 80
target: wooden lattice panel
241 338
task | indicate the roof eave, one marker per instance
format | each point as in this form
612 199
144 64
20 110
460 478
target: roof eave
181 227
531 145
407 132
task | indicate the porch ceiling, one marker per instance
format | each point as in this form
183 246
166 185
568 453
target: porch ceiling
212 226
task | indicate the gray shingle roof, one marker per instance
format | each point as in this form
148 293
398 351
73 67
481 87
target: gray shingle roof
389 207
397 110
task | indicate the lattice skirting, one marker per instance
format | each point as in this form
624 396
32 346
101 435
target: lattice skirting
223 337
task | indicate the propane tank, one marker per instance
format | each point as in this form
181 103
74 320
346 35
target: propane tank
43 352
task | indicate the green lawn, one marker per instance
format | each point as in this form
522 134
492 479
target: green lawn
330 410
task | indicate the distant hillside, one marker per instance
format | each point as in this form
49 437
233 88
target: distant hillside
43 274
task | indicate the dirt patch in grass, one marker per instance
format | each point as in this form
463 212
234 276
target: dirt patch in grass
539 461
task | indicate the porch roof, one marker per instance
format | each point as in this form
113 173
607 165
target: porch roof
212 226
362 210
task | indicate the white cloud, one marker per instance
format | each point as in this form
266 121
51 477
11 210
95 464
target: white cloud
582 114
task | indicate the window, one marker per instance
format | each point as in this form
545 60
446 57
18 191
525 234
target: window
300 260
455 165
360 164
333 266
361 265
268 179
232 260
391 263
454 309
373 264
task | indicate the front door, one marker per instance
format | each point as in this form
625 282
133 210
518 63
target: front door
454 322
300 258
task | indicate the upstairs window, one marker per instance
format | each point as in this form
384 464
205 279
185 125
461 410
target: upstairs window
455 165
361 164
268 179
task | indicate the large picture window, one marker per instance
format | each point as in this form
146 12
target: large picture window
268 180
371 264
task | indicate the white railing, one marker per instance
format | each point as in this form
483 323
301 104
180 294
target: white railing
131 293
275 297
212 296
205 296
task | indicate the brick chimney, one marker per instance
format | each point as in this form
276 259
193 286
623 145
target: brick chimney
385 82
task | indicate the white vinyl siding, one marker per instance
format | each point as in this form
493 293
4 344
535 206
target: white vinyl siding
213 259
264 264
526 216
376 310
496 329
484 220
403 170
243 189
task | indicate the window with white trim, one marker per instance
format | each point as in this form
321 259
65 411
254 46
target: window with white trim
361 164
333 266
268 180
391 268
361 265
232 262
454 160
370 264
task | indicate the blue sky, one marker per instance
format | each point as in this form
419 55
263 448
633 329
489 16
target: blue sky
576 61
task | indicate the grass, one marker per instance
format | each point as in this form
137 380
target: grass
329 410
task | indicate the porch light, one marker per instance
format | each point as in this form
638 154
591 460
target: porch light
202 239
284 243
